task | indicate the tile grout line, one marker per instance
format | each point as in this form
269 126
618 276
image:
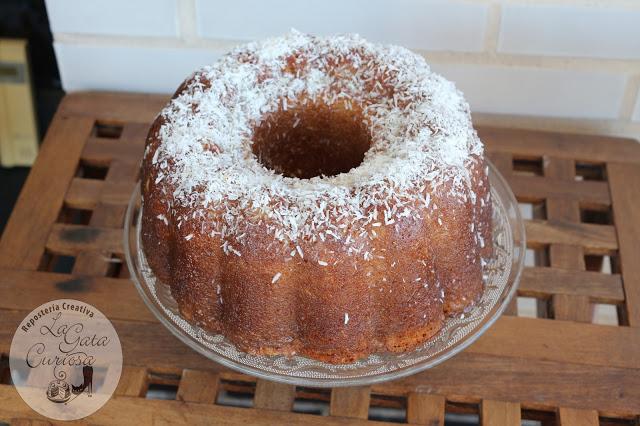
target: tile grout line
627 4
492 35
631 95
187 21
91 40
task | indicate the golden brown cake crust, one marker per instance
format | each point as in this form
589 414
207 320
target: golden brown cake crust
315 296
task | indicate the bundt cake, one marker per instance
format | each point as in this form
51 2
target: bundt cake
322 196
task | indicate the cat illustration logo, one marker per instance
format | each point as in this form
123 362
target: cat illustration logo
87 384
65 359
59 391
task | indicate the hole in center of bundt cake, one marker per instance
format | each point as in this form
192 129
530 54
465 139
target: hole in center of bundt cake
312 141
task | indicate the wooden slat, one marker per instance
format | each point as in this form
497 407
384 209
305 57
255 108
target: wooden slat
567 256
578 147
123 107
512 307
87 193
574 417
625 193
503 162
141 411
566 306
274 396
84 193
350 402
100 151
133 382
96 262
22 242
89 263
537 188
97 291
109 215
500 413
570 341
587 344
528 337
135 133
561 208
541 282
29 422
123 170
198 386
425 409
539 385
596 239
70 240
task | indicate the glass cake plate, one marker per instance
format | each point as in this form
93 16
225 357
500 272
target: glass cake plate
501 274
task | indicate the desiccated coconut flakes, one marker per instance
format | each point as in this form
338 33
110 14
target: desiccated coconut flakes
421 137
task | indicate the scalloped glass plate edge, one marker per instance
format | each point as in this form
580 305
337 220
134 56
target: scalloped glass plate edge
502 275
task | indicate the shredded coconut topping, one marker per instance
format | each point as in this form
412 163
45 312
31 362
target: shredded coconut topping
420 126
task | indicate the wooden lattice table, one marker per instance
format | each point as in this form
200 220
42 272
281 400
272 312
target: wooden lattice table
64 240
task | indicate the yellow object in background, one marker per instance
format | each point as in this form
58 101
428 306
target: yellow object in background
18 131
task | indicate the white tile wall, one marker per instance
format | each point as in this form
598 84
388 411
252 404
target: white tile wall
420 24
570 30
114 17
538 91
121 68
566 65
